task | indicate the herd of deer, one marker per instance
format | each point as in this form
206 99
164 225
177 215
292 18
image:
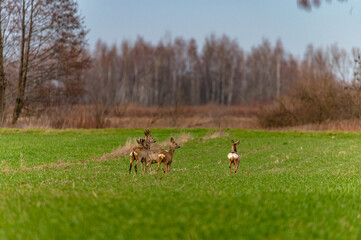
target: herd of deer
143 154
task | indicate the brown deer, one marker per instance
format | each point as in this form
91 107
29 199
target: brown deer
166 157
148 140
140 152
234 157
153 156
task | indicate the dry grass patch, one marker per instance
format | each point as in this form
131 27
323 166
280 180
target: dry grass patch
122 150
351 125
134 116
218 134
180 139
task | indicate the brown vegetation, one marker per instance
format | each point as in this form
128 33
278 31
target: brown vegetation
313 102
133 116
321 94
351 125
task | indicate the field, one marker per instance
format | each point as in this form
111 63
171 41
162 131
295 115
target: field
291 185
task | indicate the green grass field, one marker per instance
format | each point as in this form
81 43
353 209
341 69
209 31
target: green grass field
290 185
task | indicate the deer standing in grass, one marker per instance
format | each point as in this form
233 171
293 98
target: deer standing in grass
166 157
234 157
140 153
152 154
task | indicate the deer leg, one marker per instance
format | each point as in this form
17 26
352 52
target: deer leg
164 166
142 166
236 168
150 166
158 166
131 163
169 167
136 165
146 165
230 165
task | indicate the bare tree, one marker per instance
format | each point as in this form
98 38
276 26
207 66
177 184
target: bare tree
340 62
51 41
2 70
27 10
278 55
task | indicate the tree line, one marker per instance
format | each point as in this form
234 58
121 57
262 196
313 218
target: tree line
220 72
178 72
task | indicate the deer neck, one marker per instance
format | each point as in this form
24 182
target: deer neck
147 143
171 150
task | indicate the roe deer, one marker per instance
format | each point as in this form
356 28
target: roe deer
234 157
148 140
140 153
153 156
166 157
143 143
137 154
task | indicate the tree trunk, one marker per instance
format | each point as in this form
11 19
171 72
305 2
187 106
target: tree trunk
24 62
278 75
231 83
2 72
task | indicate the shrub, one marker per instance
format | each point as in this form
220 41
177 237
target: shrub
313 101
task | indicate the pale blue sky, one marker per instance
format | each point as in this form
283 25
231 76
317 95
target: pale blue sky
247 21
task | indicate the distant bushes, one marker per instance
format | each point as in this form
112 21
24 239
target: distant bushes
313 100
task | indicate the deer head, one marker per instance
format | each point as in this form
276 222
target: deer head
149 136
173 144
141 142
234 145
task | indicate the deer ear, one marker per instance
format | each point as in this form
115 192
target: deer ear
138 141
232 141
146 132
172 140
237 142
